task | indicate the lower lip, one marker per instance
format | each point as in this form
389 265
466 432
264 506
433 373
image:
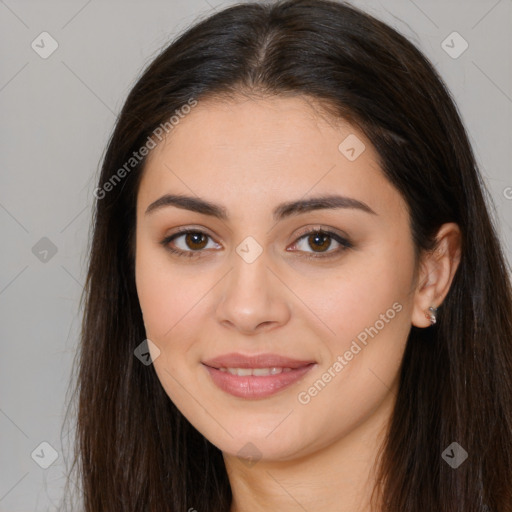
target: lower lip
251 386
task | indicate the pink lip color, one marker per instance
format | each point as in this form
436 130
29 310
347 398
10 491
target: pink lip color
251 386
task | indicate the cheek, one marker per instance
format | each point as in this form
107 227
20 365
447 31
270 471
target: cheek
164 295
368 311
376 317
352 298
168 301
175 304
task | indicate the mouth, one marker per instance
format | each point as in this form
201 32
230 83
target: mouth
254 377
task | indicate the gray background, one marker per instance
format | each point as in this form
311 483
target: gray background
57 115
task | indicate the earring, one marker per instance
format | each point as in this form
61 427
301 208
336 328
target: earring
432 315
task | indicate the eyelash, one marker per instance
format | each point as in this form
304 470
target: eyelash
344 243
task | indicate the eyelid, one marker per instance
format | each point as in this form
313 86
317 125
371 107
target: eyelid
314 228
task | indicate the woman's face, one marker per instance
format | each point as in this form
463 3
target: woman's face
260 280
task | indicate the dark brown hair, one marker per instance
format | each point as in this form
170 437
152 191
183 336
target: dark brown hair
134 449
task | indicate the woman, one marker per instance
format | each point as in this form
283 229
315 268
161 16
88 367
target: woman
296 298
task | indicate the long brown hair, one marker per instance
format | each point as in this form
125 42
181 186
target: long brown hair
134 449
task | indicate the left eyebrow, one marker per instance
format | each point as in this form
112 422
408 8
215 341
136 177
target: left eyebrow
282 211
319 203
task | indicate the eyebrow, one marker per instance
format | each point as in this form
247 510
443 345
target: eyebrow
282 211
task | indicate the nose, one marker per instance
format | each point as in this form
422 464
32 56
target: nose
253 299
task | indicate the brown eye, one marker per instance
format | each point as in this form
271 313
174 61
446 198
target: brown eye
319 240
189 243
316 244
196 240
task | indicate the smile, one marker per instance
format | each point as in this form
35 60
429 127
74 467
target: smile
253 386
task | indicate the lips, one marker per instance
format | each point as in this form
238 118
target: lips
258 376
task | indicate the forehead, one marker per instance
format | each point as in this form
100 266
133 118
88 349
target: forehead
274 123
260 149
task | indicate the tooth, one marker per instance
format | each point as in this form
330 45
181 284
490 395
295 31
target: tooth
241 372
261 371
258 372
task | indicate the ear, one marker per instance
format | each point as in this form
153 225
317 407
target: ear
436 271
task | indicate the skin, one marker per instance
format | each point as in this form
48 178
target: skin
249 155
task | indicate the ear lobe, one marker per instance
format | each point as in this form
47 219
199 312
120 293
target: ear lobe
436 274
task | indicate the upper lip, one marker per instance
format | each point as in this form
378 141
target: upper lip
236 360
